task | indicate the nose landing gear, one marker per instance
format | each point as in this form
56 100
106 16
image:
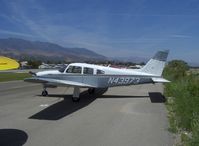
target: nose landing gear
44 92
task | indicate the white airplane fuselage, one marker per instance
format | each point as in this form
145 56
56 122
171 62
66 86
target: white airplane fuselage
106 70
83 75
99 77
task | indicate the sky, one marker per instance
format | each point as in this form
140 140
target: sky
114 28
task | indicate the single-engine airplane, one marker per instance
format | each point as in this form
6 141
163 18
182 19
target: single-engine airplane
82 75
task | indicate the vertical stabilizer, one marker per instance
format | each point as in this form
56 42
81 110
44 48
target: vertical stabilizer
156 64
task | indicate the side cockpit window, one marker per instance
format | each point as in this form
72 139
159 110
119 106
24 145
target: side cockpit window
100 72
74 69
88 70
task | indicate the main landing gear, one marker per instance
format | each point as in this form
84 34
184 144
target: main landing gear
76 93
91 90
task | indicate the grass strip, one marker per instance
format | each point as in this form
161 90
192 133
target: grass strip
13 76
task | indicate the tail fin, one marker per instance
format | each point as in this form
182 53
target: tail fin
156 64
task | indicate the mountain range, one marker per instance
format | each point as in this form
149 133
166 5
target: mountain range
24 49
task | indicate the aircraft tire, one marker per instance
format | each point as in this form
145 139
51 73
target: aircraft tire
44 93
74 99
91 90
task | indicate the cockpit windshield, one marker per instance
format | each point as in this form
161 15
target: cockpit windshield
62 69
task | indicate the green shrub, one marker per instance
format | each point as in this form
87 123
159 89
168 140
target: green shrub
175 69
185 107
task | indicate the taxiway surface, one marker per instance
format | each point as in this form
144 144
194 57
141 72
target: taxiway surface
123 116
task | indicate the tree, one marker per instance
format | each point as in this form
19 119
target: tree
176 69
34 64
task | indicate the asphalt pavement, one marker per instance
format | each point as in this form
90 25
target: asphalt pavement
123 116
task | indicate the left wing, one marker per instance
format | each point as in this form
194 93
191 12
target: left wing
57 82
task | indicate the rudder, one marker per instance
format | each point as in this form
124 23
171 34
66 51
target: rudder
156 64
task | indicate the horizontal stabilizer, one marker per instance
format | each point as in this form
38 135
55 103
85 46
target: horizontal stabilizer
160 80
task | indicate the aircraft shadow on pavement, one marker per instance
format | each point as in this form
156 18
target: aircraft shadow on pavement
157 97
67 107
64 107
12 137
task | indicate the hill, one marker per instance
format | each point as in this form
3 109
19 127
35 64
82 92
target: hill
23 49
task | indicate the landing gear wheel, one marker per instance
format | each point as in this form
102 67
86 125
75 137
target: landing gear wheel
44 93
75 99
91 90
